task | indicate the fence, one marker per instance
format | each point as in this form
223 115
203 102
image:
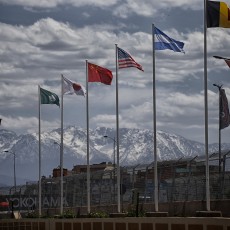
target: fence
179 181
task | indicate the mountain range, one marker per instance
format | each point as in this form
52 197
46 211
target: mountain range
136 147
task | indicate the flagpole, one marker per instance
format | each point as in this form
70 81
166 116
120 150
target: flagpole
154 124
61 149
117 129
39 153
87 124
206 109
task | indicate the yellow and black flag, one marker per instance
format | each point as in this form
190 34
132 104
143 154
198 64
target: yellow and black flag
218 14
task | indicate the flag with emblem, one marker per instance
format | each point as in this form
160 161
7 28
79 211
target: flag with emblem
99 74
48 97
224 110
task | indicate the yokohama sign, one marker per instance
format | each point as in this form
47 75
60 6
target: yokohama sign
31 202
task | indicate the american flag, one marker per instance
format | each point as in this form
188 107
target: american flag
125 60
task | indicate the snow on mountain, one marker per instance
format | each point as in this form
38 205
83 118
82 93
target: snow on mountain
136 147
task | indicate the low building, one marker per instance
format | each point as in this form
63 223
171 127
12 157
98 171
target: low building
77 169
57 172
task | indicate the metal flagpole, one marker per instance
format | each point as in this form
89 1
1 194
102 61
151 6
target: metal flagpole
39 153
61 150
87 124
219 88
206 109
117 129
154 125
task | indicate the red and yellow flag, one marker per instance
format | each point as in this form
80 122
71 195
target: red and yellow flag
99 74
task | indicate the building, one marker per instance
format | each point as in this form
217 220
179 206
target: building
57 172
77 169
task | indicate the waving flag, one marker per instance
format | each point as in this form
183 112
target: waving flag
99 74
48 97
227 60
71 87
125 60
218 14
4 204
224 110
162 42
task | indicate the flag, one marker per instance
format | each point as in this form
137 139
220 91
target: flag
224 110
162 42
4 204
48 97
227 60
125 60
99 74
218 14
71 87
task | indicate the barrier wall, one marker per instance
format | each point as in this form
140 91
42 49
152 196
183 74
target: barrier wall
127 223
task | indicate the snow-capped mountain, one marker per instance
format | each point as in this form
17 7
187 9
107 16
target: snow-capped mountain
136 146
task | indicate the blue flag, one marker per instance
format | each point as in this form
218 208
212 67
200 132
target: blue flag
162 42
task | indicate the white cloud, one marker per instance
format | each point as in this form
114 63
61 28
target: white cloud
104 120
27 124
123 9
40 53
55 3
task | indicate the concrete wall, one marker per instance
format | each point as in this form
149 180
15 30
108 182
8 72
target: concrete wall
128 223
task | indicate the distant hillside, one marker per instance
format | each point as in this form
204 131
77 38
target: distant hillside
136 146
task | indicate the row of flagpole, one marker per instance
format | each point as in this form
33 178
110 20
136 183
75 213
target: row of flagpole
94 73
47 97
216 14
123 60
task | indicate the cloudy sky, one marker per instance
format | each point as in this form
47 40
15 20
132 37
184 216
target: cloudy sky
40 40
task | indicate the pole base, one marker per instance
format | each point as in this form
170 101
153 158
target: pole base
156 214
116 215
208 214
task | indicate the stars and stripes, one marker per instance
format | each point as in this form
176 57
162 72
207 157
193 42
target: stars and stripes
125 60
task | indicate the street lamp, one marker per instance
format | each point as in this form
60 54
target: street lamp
114 146
7 151
61 175
56 143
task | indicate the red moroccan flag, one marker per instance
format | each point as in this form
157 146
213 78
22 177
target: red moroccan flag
227 60
224 110
99 74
